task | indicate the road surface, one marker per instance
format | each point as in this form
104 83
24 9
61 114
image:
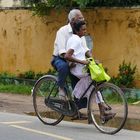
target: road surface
23 127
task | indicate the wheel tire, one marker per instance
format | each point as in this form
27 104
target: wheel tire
114 97
44 87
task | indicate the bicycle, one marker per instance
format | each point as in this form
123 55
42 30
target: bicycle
51 110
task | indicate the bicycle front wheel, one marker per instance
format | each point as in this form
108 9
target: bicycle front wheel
46 87
116 103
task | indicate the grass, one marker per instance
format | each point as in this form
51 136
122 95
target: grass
16 89
25 89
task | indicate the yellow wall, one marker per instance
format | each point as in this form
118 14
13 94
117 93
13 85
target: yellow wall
116 37
26 41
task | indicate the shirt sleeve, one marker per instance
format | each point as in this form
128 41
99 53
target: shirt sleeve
72 44
84 43
60 42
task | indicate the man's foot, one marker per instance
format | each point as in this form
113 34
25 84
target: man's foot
104 114
82 103
80 116
62 94
107 116
105 107
90 121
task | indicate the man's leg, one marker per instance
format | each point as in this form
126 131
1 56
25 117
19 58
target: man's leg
80 103
74 80
63 70
99 100
104 114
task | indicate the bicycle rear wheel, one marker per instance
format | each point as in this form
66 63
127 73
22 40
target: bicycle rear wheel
46 87
114 98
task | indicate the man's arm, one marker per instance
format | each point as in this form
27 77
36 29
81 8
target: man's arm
60 43
69 57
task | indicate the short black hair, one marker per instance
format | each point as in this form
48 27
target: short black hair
77 25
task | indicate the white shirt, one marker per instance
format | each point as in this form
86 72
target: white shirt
62 36
76 43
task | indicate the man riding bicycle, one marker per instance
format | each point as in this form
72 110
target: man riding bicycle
59 62
76 53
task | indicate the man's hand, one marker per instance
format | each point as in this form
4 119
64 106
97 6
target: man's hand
72 64
85 62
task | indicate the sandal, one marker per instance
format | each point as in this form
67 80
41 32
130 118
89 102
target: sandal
107 117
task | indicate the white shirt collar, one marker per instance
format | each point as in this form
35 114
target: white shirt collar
69 28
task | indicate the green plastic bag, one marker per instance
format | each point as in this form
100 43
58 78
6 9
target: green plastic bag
97 71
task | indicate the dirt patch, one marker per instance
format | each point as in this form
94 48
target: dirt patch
22 104
14 103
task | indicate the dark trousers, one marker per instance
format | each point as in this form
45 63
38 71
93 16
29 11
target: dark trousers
63 69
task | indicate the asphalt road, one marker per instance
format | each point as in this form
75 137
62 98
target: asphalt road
23 127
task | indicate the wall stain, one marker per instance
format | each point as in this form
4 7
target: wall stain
132 23
4 33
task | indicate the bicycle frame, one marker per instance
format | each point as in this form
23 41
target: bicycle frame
69 108
85 92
